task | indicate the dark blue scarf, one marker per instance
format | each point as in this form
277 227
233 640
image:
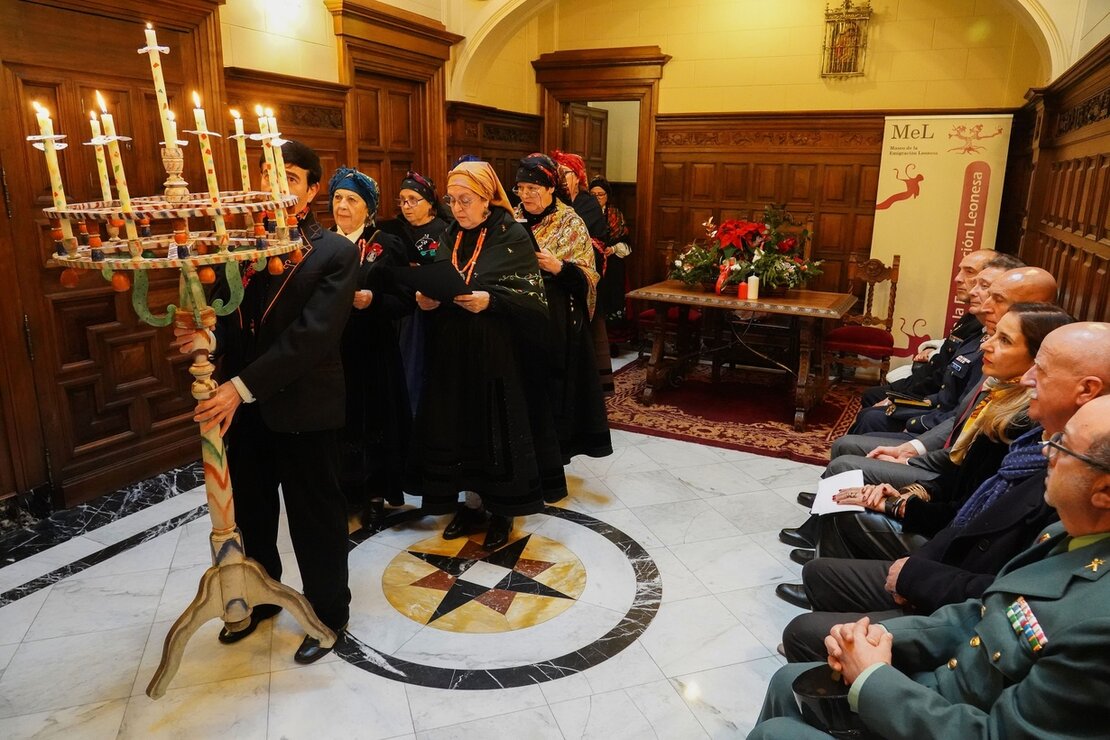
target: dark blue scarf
1023 460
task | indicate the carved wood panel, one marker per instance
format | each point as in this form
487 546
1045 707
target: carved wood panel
1065 170
731 166
499 137
387 107
110 397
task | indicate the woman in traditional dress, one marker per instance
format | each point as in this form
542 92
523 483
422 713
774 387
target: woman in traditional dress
484 422
420 222
610 265
572 175
566 258
375 439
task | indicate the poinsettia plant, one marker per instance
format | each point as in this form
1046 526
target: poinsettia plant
737 249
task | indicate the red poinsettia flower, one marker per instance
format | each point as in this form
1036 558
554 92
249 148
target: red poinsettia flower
737 233
788 245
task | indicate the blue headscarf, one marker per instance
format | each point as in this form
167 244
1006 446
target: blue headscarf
348 178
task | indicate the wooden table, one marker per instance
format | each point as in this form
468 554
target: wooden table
808 310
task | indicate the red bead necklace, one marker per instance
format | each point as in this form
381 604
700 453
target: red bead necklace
467 269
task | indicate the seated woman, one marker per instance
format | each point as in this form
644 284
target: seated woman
375 439
566 258
484 422
898 522
421 220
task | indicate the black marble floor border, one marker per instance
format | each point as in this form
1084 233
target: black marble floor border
109 551
645 605
64 525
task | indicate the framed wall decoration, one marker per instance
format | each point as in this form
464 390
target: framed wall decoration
845 39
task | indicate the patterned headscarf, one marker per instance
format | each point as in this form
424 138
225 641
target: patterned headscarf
419 184
601 182
574 163
539 169
348 178
480 177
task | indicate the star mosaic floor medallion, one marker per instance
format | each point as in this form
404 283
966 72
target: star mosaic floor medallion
457 586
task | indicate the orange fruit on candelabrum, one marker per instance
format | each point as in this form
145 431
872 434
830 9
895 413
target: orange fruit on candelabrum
297 256
275 266
70 277
120 282
207 275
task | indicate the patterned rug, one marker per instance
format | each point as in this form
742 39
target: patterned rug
735 414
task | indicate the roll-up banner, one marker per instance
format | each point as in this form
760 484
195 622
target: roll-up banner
940 186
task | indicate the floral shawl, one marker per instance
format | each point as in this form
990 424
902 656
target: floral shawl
564 235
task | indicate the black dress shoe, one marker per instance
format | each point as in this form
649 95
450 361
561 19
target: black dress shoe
806 498
374 515
793 593
801 556
500 527
794 538
311 651
465 521
258 614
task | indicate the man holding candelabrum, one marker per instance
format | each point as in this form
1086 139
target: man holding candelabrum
281 406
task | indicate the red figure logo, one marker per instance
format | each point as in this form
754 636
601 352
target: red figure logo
913 188
914 340
969 136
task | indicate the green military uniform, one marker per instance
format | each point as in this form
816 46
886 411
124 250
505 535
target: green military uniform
967 671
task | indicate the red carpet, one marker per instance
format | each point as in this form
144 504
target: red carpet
733 414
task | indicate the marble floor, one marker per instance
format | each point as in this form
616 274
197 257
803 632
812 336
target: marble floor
669 632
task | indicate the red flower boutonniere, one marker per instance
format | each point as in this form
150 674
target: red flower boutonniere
370 252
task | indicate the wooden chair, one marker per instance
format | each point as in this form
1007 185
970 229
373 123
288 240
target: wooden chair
865 340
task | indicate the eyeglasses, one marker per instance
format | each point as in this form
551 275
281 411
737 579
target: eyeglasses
598 193
408 202
451 202
527 191
563 172
1052 444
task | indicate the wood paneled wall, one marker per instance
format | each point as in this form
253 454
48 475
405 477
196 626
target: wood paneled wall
1067 226
499 137
823 165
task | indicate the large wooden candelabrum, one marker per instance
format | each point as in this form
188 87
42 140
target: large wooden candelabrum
234 584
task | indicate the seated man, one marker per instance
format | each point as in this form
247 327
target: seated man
938 380
1032 658
1071 369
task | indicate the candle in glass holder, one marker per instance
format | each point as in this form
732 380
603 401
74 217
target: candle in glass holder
101 162
155 53
57 191
118 173
241 147
279 159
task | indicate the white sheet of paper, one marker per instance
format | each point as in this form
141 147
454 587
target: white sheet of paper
826 487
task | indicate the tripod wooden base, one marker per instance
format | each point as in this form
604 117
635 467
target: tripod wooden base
228 591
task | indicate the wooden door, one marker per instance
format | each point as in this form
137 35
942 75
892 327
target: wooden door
103 400
585 134
387 112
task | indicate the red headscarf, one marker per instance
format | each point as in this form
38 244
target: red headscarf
575 164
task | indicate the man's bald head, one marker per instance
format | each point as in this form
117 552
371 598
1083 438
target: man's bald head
1021 285
970 266
1072 368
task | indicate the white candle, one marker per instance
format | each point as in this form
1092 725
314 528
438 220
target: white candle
58 193
101 162
171 143
209 170
753 288
159 86
241 146
117 172
279 160
268 150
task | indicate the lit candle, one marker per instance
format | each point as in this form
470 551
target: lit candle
241 145
171 143
118 174
268 150
279 160
154 52
46 130
209 169
101 162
